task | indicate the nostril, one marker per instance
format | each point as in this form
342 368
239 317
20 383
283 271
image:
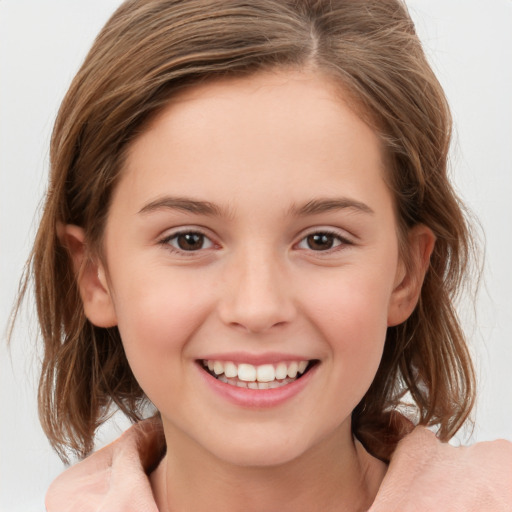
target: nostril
257 327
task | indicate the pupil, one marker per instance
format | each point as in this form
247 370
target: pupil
190 241
320 241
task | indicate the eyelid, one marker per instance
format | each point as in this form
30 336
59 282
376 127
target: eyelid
344 240
337 233
183 230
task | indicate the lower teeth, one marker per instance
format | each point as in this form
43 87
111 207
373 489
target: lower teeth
255 385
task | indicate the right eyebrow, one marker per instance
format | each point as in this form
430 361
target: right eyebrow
322 205
185 204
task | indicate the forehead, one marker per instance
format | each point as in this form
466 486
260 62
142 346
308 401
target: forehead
279 131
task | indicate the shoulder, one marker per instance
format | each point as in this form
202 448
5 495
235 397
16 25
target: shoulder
426 450
426 474
114 478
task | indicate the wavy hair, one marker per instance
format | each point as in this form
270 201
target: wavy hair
147 52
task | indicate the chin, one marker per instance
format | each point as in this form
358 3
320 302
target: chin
265 448
260 456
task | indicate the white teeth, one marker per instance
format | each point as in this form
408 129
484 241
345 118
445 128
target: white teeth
302 366
255 385
282 371
247 372
265 376
292 370
265 373
230 370
218 368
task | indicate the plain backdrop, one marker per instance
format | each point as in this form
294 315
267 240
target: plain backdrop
42 43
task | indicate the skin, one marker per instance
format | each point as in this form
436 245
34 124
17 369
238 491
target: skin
259 150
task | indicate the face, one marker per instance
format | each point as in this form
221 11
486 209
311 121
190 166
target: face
252 266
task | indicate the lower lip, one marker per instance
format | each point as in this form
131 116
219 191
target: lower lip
257 398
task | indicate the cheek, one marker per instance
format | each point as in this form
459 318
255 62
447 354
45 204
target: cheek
159 305
353 305
351 314
156 318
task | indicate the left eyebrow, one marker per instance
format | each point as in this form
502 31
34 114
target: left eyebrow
317 206
185 204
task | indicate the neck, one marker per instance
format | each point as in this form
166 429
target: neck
337 474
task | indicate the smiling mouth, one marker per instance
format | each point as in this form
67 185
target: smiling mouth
265 376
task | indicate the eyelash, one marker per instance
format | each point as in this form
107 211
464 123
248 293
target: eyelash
175 236
341 241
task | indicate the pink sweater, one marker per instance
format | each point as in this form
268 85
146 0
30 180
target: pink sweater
424 475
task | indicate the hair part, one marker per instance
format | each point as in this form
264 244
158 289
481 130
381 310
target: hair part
150 50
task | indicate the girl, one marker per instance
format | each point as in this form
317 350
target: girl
249 224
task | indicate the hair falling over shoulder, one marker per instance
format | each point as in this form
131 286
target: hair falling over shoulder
147 52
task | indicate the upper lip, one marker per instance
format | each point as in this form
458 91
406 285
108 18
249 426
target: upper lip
255 359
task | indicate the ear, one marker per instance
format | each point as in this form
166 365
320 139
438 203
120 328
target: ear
409 278
91 277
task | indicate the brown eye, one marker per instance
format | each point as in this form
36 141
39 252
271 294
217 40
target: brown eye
321 241
189 241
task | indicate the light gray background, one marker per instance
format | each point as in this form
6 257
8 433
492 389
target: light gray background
42 43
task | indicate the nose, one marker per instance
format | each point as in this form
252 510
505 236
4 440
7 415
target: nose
257 293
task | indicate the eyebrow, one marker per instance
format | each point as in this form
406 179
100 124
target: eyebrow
317 206
313 207
185 204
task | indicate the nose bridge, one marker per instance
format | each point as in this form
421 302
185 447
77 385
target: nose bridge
256 296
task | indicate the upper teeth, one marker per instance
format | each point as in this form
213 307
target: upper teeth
262 373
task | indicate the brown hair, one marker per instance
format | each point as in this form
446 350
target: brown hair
148 51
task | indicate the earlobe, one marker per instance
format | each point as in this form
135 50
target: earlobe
91 277
405 295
